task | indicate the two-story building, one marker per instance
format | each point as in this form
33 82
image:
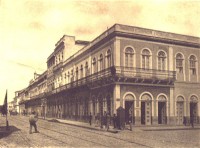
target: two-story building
33 98
153 75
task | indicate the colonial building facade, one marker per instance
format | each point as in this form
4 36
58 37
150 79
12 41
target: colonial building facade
152 75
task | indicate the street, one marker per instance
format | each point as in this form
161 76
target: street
63 135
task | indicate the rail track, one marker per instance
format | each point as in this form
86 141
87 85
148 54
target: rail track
62 136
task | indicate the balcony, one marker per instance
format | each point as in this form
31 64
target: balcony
41 95
58 66
121 74
145 74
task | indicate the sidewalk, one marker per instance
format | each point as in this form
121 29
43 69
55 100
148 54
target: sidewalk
82 124
135 127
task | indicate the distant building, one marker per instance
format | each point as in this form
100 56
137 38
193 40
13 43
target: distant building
152 75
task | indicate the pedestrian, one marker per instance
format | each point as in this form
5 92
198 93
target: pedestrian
107 120
192 120
33 118
97 118
114 121
130 121
90 119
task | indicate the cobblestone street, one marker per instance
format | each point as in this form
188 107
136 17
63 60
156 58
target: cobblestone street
59 134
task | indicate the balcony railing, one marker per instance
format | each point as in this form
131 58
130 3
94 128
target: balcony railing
131 72
41 95
120 72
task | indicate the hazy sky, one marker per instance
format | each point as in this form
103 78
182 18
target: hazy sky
29 29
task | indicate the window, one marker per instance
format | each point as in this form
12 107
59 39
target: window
161 60
76 73
72 75
145 59
108 57
68 77
56 60
129 57
86 69
59 58
192 60
94 65
81 71
179 63
101 62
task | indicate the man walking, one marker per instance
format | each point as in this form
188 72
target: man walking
90 119
32 120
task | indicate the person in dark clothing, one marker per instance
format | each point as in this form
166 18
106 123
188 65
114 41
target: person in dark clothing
114 121
192 120
90 118
130 121
32 120
107 120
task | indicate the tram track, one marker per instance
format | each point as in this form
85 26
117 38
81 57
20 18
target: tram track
61 133
75 130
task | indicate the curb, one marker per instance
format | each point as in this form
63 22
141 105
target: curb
82 126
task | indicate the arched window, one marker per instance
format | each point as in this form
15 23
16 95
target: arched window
192 60
145 59
76 73
72 75
81 72
101 62
179 63
129 57
108 57
161 61
68 77
86 69
94 65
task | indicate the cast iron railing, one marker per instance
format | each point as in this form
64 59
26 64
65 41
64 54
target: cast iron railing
120 72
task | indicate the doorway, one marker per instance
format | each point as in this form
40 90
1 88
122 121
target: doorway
193 110
146 112
129 110
179 113
161 112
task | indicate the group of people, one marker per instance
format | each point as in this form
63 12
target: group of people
106 121
191 121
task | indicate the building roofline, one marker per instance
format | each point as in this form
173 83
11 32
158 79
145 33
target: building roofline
141 33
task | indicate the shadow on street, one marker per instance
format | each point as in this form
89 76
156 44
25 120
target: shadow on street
5 133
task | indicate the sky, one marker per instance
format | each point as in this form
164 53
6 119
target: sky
29 29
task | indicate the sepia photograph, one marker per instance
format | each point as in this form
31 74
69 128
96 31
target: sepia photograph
99 73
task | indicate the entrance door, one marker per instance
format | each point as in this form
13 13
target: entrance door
161 112
179 113
146 113
193 109
129 108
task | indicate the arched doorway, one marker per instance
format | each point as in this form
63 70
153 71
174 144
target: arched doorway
129 108
179 110
194 108
146 109
162 118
